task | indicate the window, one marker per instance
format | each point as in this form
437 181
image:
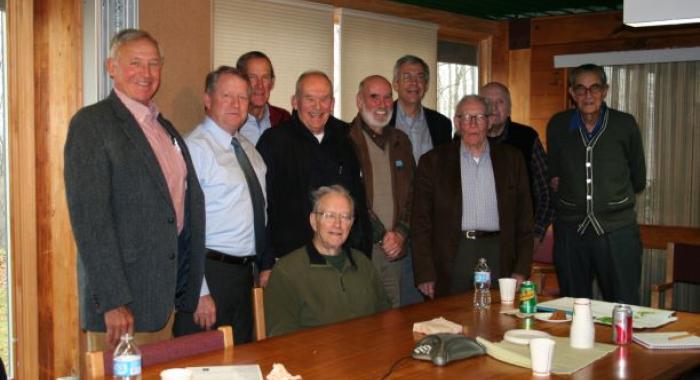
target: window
371 44
457 76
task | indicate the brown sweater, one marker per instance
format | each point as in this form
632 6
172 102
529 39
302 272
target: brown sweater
402 172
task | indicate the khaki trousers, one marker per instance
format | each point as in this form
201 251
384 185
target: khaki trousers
390 274
97 341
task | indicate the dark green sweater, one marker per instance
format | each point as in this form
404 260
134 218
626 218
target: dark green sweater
305 291
617 170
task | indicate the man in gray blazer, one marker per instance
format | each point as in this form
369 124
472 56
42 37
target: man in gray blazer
136 207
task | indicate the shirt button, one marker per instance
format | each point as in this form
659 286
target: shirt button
588 197
171 220
588 164
589 180
588 149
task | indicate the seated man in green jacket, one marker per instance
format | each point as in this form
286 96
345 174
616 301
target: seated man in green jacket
323 282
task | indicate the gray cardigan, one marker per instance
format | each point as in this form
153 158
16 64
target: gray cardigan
618 170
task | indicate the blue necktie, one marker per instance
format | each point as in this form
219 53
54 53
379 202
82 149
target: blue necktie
256 195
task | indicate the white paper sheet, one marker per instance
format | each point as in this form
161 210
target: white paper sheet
227 372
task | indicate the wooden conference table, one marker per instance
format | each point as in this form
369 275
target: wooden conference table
366 348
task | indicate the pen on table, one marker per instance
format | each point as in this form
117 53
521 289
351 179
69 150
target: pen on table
686 335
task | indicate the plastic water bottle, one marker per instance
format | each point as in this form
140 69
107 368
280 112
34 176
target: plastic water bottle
126 361
482 285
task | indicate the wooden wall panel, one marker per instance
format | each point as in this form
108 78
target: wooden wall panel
58 74
519 85
586 33
500 57
22 182
183 29
451 25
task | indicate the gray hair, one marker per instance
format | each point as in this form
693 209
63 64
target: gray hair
474 98
311 73
127 35
411 60
500 86
213 78
242 63
588 68
322 191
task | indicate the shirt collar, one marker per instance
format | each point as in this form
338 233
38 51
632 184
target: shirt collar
401 114
220 135
577 122
378 139
140 111
465 153
315 258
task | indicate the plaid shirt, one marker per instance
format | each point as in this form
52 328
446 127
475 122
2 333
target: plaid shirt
544 212
539 181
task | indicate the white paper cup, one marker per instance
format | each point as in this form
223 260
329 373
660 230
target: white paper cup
507 288
176 374
541 353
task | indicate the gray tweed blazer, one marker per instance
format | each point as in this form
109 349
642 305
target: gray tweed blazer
124 221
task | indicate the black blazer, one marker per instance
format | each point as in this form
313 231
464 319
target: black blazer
439 125
124 221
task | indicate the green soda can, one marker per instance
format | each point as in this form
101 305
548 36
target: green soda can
528 298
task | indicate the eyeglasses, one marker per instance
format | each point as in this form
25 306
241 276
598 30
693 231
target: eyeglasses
467 118
595 89
418 78
330 217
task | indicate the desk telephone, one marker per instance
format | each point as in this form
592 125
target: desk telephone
444 348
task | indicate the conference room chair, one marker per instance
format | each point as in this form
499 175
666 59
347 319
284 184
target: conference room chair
682 263
543 274
259 313
99 363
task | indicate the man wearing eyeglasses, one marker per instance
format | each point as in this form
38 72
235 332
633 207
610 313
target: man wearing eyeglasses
323 282
257 67
472 200
426 128
596 162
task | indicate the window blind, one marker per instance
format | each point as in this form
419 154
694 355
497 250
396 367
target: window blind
296 35
371 43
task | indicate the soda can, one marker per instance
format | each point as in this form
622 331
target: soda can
528 297
622 324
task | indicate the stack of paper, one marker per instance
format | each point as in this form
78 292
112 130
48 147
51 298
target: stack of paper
643 317
677 340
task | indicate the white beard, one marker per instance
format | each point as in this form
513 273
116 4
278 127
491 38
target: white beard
372 122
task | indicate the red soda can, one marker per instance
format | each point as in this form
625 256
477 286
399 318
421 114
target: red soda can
622 324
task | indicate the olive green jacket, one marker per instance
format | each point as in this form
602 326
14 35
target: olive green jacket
304 291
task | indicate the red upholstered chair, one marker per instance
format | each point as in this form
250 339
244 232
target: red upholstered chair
99 363
543 274
682 265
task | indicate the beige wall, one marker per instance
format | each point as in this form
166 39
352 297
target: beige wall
183 28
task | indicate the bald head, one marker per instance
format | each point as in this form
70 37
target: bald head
498 97
375 102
